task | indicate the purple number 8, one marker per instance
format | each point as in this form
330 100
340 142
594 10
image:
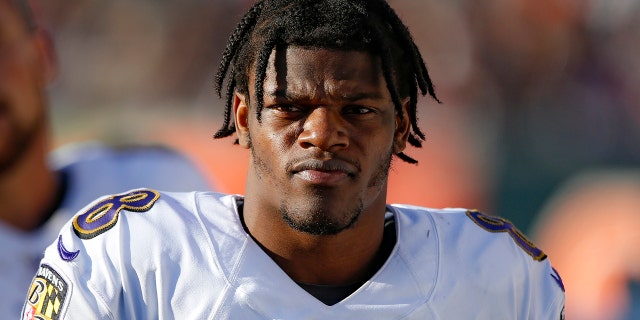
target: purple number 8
103 215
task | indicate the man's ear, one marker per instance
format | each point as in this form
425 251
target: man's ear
403 126
46 54
241 113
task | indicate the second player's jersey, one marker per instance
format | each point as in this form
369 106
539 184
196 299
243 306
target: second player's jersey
90 170
152 255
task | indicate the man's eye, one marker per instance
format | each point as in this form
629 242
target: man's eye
285 108
359 110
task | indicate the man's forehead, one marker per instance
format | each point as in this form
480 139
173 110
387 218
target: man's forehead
347 74
300 56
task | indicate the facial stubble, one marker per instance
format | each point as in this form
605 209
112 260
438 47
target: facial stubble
315 219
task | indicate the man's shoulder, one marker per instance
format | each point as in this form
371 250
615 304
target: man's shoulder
476 250
158 237
436 217
148 221
472 233
145 211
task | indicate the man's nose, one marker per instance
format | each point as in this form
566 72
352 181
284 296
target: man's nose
325 129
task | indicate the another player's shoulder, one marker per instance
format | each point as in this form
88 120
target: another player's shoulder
126 158
96 150
96 169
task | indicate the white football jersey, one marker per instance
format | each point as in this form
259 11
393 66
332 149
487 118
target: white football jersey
91 170
155 255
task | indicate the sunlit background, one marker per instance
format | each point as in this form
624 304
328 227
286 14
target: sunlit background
534 93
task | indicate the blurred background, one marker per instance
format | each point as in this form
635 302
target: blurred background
536 94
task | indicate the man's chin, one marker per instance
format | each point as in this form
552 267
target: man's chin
319 221
317 228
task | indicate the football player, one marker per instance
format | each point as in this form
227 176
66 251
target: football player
39 191
323 95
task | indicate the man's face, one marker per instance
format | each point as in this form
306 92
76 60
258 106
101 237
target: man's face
22 85
320 154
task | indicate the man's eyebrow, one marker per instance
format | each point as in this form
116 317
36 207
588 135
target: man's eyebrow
361 96
277 93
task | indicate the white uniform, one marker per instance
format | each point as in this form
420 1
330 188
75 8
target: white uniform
152 255
92 170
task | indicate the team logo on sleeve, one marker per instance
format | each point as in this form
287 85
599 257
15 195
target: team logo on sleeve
65 254
103 215
46 296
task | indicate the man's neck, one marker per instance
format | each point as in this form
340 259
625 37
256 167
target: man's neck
341 259
331 295
28 192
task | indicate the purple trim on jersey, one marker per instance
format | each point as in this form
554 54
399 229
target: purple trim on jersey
497 224
556 276
65 254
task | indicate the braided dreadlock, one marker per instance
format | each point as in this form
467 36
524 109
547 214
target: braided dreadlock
362 25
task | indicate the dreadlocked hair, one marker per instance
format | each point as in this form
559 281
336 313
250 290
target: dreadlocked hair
361 25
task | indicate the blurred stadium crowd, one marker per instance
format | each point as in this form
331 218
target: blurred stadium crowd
534 93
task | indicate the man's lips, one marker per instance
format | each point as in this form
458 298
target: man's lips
321 172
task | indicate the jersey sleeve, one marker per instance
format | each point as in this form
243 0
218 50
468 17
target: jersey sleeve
63 287
556 308
82 274
538 285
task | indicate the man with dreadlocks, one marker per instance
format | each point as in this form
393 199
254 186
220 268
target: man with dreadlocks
323 94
